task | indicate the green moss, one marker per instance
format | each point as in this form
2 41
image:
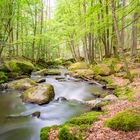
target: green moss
86 118
44 133
83 73
64 134
127 120
124 91
22 84
19 66
101 104
39 94
79 65
101 69
48 72
3 77
114 64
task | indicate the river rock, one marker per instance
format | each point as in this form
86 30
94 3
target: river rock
18 66
60 78
40 80
78 65
22 84
39 94
61 99
93 102
110 97
36 114
46 72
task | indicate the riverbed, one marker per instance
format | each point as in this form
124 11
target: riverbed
16 121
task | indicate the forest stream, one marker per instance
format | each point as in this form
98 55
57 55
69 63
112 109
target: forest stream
16 120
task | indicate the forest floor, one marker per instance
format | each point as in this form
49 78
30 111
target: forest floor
128 94
98 131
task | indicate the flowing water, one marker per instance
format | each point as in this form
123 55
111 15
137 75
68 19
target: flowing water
16 123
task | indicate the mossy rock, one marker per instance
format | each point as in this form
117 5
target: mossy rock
83 73
114 64
40 80
45 72
59 61
102 69
22 84
3 77
41 94
79 65
23 67
127 120
80 124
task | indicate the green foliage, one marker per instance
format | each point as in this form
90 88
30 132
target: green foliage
127 120
124 91
3 77
64 134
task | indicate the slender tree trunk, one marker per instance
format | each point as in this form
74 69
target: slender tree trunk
134 36
119 40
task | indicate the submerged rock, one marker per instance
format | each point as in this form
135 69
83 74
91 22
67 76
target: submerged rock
110 97
22 84
39 94
61 99
36 114
40 80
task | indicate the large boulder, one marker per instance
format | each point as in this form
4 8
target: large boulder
22 84
40 94
78 65
18 66
102 69
45 72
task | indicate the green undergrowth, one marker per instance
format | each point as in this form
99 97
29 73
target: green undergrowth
127 120
124 91
3 77
79 124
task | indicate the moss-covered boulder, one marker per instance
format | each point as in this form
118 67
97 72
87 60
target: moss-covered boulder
127 120
22 84
46 72
88 73
78 65
102 69
3 77
19 66
39 94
